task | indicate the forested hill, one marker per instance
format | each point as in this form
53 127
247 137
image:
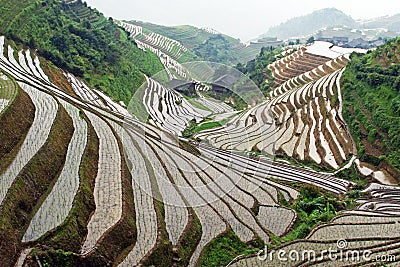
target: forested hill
80 40
371 91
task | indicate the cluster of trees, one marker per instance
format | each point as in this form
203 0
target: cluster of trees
313 207
70 36
216 49
372 106
257 70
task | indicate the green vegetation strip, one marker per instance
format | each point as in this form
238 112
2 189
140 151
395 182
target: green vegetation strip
371 96
208 125
195 128
223 249
314 206
257 69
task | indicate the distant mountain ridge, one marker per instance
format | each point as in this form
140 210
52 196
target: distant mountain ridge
392 23
304 25
331 22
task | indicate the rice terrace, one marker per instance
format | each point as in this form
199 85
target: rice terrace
133 143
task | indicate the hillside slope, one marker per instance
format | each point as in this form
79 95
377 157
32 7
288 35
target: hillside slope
370 87
205 44
92 186
371 91
187 35
82 41
89 185
300 119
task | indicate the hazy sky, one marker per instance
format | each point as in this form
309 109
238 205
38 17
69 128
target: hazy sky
244 19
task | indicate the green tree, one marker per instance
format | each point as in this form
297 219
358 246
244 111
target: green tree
310 40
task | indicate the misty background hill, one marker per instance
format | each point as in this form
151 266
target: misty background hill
304 25
328 18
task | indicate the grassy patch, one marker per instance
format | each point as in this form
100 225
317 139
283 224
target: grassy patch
314 206
223 249
352 175
195 128
207 125
53 257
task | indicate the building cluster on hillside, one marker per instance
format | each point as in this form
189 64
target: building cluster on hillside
274 42
210 30
342 41
355 43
